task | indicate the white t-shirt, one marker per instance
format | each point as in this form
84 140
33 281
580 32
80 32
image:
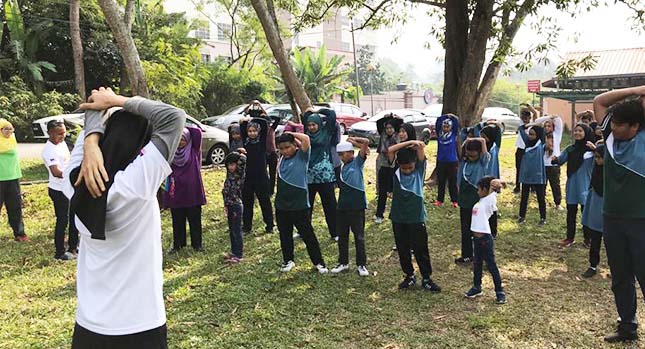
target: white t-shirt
482 212
120 279
55 155
519 142
557 138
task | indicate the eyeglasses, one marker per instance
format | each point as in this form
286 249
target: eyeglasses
8 129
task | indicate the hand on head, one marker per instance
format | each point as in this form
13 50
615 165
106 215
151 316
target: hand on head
102 99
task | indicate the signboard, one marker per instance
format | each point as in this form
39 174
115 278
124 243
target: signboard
428 96
534 86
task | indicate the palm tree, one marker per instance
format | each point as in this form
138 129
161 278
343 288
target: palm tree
321 77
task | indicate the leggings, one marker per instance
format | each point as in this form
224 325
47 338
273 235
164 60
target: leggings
572 213
447 173
541 196
384 179
251 190
328 199
553 177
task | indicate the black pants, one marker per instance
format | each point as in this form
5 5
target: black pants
384 180
595 238
272 163
553 178
234 218
572 215
485 252
413 237
179 217
151 339
11 199
541 196
287 220
328 199
447 173
63 215
251 190
492 221
354 220
625 243
519 154
466 216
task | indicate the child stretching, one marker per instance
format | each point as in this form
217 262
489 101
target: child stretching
386 128
292 200
474 166
532 172
580 163
408 213
352 204
232 191
592 214
447 127
487 188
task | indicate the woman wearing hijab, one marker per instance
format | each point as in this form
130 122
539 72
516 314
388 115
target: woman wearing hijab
10 175
184 191
532 173
386 127
579 159
321 173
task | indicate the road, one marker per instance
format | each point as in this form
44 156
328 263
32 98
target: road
29 151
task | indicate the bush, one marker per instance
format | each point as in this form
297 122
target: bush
228 87
21 106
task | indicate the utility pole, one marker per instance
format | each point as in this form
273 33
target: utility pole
357 94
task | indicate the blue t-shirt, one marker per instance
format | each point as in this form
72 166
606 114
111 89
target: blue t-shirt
447 142
408 206
470 172
352 186
292 193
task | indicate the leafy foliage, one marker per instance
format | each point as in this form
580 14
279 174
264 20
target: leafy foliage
320 76
371 77
227 87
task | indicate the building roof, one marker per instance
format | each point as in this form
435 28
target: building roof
612 62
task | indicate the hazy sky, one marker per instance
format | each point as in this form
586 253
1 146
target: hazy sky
601 29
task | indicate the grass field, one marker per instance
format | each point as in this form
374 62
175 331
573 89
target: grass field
252 305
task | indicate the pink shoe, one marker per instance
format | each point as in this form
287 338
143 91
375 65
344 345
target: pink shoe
21 238
438 203
455 205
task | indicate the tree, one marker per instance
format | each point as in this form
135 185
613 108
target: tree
77 46
371 77
228 87
321 77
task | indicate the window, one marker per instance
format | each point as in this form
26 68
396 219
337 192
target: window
344 46
206 58
223 31
203 33
357 111
344 20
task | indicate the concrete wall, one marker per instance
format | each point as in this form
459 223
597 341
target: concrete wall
553 106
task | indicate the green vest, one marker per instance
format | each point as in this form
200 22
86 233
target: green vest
624 194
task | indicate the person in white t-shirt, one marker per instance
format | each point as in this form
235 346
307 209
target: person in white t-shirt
55 155
484 244
113 194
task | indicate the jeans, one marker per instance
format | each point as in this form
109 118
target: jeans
466 216
625 243
412 237
447 173
519 154
155 338
11 199
541 196
328 199
287 220
384 181
595 244
485 252
260 189
354 220
179 217
572 215
234 218
63 215
553 178
272 162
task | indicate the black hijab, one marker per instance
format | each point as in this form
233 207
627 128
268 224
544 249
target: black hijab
386 141
578 150
124 137
539 131
409 129
597 173
491 133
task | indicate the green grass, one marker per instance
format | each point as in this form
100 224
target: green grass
252 305
33 170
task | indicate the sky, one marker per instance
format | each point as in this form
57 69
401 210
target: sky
603 28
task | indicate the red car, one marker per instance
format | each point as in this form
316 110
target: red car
346 114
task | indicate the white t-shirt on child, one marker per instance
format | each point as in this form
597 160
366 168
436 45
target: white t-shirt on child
482 212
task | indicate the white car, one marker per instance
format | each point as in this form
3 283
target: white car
39 127
508 120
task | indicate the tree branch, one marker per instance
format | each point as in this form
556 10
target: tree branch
373 13
429 2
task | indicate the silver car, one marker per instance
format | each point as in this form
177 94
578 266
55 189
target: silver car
508 120
214 142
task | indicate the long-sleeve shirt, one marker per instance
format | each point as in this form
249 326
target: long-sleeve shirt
447 143
256 152
557 138
532 167
234 182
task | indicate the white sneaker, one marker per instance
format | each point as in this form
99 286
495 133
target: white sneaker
336 238
362 271
378 220
286 267
559 208
340 268
322 269
297 236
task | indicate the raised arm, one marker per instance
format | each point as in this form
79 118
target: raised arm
303 139
420 147
362 144
330 118
603 101
482 141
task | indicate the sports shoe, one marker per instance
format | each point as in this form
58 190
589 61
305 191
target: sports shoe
455 205
234 260
322 269
621 336
429 285
521 220
409 281
378 220
542 221
362 271
463 260
500 297
340 268
286 267
438 203
566 243
21 238
67 256
335 238
591 271
297 236
394 248
559 207
228 255
473 293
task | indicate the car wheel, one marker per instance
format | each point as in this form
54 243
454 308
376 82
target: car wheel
343 129
216 154
426 137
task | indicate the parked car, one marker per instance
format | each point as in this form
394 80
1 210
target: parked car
509 120
229 117
214 142
39 127
367 129
282 112
346 114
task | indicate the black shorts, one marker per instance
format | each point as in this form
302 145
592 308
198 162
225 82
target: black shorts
155 338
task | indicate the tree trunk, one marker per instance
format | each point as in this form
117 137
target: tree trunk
77 47
456 43
126 46
275 42
128 17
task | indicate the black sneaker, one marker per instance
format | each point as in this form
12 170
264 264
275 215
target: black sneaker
429 285
409 281
500 297
463 260
521 220
589 272
542 221
473 293
621 336
517 190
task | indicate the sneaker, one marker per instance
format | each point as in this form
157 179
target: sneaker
521 220
429 285
297 236
286 267
463 260
322 269
21 238
621 336
394 248
589 272
473 293
409 281
340 268
335 238
438 203
228 256
67 256
378 220
455 205
542 221
559 208
500 297
234 260
362 271
566 243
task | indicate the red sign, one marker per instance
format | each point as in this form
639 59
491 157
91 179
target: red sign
534 86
